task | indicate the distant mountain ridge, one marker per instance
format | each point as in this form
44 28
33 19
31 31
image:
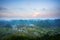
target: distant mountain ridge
36 22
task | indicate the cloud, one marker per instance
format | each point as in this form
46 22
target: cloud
29 13
3 10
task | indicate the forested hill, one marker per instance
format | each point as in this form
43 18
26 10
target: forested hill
32 22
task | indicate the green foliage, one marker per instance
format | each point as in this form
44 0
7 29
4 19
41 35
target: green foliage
28 34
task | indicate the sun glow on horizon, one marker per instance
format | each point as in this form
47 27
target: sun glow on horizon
35 14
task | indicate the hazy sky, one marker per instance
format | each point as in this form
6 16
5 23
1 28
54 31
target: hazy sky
29 8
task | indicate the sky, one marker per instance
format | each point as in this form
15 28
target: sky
11 9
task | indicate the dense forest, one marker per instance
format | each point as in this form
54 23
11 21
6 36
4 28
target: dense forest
33 29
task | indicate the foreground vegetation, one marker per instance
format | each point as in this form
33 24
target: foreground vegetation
27 33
